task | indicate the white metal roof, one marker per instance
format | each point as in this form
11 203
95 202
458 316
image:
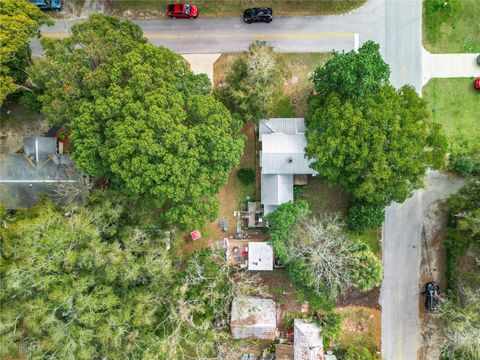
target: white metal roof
276 189
260 256
308 342
282 125
285 163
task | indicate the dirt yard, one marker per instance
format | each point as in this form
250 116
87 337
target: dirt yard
230 197
361 328
432 268
17 122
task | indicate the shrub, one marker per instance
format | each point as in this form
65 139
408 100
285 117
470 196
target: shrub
362 216
462 164
246 175
30 101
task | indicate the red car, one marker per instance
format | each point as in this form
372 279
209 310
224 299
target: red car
182 11
477 83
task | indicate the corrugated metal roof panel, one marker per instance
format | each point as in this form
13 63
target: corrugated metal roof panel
282 125
286 164
284 143
276 189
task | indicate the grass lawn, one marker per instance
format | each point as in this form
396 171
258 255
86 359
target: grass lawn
361 328
458 32
297 69
225 8
455 104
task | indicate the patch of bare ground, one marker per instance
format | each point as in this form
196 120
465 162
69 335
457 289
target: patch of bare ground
360 328
15 123
229 198
432 268
282 292
354 297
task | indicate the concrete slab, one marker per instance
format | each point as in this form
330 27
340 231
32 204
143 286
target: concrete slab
448 66
202 63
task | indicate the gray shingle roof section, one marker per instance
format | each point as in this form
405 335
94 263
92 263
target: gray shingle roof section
23 180
276 189
38 149
253 318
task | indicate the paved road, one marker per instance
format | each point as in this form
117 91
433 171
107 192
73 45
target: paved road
396 26
289 34
399 294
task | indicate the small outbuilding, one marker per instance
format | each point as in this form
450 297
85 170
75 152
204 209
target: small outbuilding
308 342
253 318
260 256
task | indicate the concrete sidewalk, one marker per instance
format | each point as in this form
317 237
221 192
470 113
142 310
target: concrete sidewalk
448 66
202 63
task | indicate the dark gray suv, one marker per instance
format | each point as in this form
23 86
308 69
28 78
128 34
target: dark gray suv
258 15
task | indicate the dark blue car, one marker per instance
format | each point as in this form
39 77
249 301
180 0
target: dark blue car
48 4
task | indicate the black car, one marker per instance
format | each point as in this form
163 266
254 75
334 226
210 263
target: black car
432 296
478 60
258 15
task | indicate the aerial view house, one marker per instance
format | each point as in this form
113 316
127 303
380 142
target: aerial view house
253 318
282 160
39 170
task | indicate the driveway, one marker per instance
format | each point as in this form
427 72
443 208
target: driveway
399 295
448 65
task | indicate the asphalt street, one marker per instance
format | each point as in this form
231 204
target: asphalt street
400 291
394 24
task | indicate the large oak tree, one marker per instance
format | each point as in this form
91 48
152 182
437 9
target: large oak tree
140 117
19 22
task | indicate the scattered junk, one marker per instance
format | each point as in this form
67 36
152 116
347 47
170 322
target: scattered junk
224 225
195 235
253 318
432 296
252 215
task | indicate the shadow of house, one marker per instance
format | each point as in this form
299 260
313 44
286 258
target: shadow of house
39 170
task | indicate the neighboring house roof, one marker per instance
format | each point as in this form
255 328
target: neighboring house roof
23 177
260 256
253 318
282 156
308 343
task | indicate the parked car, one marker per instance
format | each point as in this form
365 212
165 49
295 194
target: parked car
478 60
182 11
477 83
47 4
432 296
258 15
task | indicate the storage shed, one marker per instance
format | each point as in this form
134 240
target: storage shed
308 342
253 318
260 256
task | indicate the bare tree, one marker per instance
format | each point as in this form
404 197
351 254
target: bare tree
322 244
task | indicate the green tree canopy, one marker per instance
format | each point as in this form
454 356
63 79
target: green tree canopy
140 117
91 286
352 74
19 22
377 146
252 82
318 252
